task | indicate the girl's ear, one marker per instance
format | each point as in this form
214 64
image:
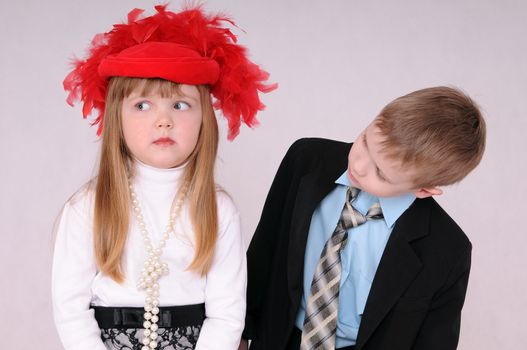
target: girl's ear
428 192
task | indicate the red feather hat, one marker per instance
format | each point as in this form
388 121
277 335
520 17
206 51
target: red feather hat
188 47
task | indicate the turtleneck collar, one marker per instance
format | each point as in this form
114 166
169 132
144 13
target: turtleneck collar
152 178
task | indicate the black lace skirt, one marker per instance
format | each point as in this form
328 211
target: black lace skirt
122 328
180 338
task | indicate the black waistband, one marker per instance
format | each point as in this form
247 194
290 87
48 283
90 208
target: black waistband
132 317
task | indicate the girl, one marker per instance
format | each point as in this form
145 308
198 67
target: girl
149 254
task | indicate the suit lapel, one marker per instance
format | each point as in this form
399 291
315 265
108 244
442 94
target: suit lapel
312 188
398 267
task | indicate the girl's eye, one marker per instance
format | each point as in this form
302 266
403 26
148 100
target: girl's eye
143 106
182 106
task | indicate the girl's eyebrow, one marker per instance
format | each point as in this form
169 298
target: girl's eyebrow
136 95
186 96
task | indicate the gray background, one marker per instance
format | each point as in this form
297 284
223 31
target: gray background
338 63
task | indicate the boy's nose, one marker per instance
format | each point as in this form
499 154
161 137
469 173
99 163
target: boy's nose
360 167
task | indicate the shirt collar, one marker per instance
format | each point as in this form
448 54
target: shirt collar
392 207
157 179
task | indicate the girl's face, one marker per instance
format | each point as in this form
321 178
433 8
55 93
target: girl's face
162 132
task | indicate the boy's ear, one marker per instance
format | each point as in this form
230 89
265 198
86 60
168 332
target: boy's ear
428 192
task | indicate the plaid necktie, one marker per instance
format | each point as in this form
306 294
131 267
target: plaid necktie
320 322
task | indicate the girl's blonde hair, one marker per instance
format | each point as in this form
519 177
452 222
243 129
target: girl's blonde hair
112 196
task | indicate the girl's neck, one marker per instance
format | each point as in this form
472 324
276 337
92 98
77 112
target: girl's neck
153 178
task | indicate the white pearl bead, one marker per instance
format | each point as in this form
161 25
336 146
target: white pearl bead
148 316
154 327
155 310
152 345
153 336
147 332
146 341
155 319
145 348
155 302
148 307
147 324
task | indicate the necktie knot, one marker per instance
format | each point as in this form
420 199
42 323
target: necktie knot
351 217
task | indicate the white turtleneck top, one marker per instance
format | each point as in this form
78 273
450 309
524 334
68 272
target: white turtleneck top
77 284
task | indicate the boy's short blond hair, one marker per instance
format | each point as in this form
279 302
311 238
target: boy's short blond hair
437 132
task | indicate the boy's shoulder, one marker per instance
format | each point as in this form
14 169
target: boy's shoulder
444 235
317 145
306 151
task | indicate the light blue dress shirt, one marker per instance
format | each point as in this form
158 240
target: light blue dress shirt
360 257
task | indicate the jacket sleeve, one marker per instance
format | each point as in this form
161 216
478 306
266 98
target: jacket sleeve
72 274
261 249
440 329
225 288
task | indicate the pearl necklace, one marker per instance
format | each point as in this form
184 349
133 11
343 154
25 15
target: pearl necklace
153 268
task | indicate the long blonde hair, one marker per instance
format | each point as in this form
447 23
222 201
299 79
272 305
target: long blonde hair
112 196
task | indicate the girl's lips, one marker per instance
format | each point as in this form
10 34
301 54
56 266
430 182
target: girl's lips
164 141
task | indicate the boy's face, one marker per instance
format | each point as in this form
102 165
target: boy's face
372 171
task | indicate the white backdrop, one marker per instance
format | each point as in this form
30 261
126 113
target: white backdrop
337 63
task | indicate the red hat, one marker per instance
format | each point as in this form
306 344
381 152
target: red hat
187 47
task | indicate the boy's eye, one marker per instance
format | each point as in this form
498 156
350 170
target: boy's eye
143 106
380 176
182 106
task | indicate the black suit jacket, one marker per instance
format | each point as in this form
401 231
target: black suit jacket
419 288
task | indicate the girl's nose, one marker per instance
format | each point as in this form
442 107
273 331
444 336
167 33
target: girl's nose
164 121
164 124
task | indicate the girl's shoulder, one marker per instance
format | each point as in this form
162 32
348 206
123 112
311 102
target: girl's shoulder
82 200
226 207
76 216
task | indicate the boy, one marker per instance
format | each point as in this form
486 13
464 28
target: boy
378 267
